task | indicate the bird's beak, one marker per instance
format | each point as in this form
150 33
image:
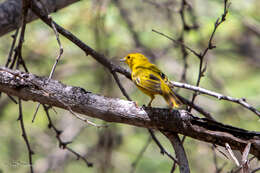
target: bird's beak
122 60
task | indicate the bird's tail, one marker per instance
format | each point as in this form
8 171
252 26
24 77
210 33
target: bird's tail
171 98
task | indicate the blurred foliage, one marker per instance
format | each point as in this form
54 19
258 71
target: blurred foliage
233 69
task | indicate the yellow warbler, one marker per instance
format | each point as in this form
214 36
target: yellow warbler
149 79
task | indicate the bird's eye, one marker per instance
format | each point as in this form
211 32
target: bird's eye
128 57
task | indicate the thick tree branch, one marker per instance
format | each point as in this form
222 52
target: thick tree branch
179 151
51 92
10 12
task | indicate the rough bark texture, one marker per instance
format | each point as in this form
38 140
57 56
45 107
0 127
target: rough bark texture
40 89
179 151
10 12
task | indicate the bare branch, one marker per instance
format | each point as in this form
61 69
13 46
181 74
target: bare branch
87 49
10 13
245 161
9 58
241 101
30 151
26 87
120 86
62 144
163 151
178 42
60 49
179 151
102 59
98 57
84 119
209 47
19 59
231 154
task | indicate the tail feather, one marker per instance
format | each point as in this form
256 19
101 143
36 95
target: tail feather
171 98
175 100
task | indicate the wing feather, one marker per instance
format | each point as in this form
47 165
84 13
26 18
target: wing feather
154 69
147 81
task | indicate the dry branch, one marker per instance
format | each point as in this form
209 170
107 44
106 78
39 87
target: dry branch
41 89
180 152
10 12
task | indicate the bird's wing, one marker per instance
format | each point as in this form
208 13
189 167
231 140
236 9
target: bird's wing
147 80
155 69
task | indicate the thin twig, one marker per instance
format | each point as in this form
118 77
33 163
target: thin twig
196 107
60 49
185 28
20 60
218 169
209 47
120 86
13 99
57 38
184 57
241 101
83 119
62 144
231 154
9 58
237 169
163 151
59 55
35 113
24 12
24 135
177 42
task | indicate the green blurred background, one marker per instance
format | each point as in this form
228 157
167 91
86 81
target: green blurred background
233 69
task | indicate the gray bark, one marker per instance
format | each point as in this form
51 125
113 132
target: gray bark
179 152
10 12
51 92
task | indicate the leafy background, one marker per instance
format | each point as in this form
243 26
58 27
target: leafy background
233 69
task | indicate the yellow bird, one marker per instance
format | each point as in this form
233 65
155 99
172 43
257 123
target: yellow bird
149 79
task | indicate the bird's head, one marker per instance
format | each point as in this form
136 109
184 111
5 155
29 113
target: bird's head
134 59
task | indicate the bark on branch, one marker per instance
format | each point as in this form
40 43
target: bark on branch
10 12
47 91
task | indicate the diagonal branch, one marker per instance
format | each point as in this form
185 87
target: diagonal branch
180 152
101 58
10 13
26 87
97 56
62 144
241 101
